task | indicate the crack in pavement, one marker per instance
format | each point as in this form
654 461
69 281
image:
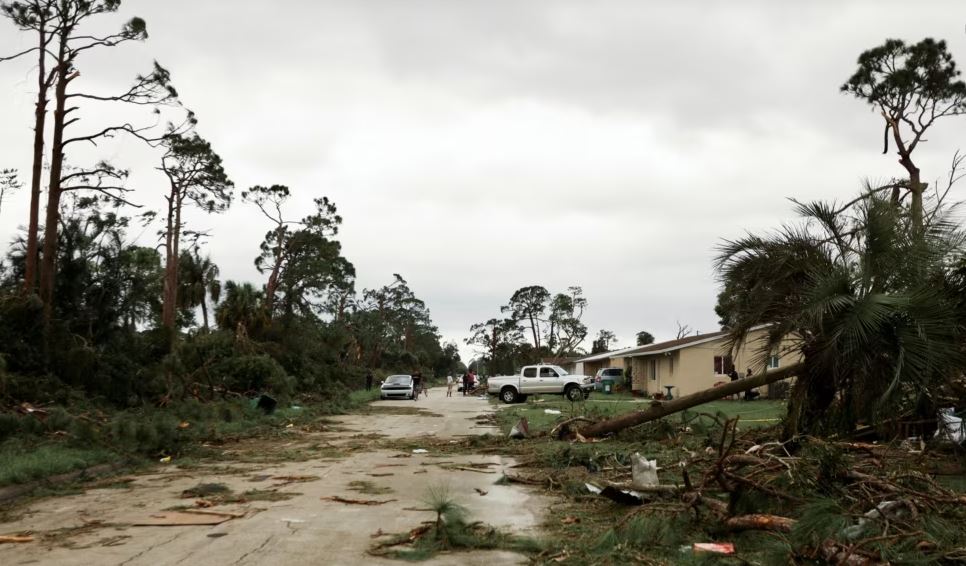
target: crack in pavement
149 549
256 550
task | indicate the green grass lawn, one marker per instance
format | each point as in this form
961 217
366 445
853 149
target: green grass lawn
599 406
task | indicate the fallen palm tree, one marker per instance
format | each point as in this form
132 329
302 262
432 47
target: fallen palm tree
660 409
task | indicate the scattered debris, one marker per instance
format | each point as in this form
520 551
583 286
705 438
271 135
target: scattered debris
714 547
295 479
570 520
420 451
551 411
380 475
521 429
644 471
15 539
259 478
205 489
217 535
470 469
165 460
266 404
421 472
622 496
480 491
185 518
183 425
28 409
338 499
951 427
760 522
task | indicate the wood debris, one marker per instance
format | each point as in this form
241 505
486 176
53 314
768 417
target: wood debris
347 501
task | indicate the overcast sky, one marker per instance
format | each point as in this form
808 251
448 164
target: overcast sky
476 147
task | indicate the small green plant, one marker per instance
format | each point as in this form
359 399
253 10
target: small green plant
440 499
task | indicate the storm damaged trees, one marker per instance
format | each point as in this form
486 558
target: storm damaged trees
195 177
61 44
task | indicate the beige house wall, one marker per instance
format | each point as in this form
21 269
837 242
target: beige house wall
692 368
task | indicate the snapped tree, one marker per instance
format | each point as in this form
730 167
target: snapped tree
303 260
38 17
911 86
195 176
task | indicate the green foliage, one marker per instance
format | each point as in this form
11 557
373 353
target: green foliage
20 464
872 307
644 338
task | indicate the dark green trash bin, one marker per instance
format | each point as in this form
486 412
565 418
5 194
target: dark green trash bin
608 385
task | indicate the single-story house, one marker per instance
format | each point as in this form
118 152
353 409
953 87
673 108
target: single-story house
694 363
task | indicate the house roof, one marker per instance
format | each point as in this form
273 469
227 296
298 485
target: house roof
659 348
605 355
672 345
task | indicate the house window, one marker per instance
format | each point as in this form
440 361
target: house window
670 360
652 369
773 361
723 365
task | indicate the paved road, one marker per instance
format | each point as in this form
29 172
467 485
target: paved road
94 528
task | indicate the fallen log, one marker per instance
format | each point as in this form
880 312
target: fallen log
662 409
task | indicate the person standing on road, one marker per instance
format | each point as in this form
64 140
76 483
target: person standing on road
417 384
449 385
466 382
369 380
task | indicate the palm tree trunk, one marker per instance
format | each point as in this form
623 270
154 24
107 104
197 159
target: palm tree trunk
663 409
204 311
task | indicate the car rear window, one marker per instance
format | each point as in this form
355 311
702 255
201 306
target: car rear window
612 372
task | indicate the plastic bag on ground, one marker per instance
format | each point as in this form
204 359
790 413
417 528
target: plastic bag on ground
644 471
951 427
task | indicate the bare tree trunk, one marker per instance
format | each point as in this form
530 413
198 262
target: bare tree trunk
663 409
48 266
171 240
40 123
536 337
272 286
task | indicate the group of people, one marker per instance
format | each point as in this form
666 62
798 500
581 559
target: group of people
469 382
751 394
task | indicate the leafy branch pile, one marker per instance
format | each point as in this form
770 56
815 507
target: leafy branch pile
809 500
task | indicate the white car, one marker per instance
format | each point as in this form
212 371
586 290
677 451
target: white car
397 387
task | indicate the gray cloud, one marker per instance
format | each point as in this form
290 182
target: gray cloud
479 146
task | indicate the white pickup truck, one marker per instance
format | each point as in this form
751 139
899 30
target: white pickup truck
542 379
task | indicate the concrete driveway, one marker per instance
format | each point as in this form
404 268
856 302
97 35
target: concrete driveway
290 522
